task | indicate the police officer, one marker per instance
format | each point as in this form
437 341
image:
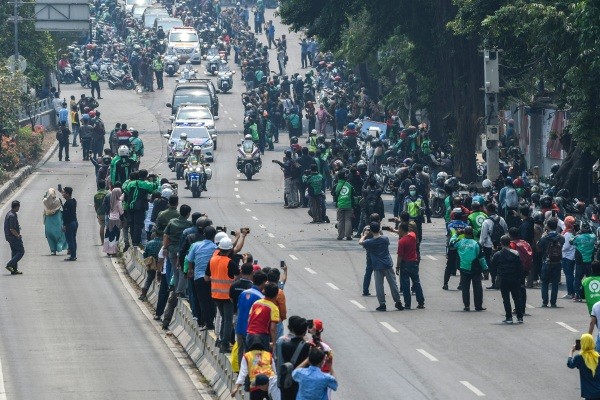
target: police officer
158 67
95 80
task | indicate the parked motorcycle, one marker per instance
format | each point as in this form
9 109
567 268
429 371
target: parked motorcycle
248 158
225 79
65 76
120 78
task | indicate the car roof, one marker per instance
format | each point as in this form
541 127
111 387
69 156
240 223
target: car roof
169 19
189 128
194 105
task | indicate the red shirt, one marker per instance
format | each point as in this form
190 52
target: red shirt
262 313
123 134
407 247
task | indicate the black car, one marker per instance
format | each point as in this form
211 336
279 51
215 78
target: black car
195 91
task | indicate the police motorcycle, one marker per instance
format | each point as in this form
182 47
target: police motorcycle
248 157
187 72
197 173
213 59
437 195
171 62
178 153
225 77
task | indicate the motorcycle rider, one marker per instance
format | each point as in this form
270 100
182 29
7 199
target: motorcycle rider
136 145
415 206
121 165
160 33
195 159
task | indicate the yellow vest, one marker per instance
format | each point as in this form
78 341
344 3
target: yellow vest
259 362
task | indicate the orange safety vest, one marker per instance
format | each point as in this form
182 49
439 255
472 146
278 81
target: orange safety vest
259 362
220 282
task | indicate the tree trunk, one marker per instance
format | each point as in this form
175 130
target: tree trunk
575 174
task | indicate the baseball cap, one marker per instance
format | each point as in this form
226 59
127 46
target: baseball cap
318 325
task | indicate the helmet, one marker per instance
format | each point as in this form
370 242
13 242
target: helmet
294 140
361 166
518 183
183 136
479 199
166 193
535 198
94 68
219 236
546 201
123 151
85 117
408 161
197 148
248 137
555 168
106 159
534 189
442 175
92 114
538 217
564 193
487 183
313 132
521 192
351 125
452 182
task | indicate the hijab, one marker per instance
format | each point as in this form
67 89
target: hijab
115 198
569 224
51 203
589 353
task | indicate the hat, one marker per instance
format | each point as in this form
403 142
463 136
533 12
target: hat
219 236
166 193
411 187
261 380
457 210
318 325
225 244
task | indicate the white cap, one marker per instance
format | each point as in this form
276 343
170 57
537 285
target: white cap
166 193
226 244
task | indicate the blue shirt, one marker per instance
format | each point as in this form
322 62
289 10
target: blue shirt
200 254
378 249
313 383
245 301
63 115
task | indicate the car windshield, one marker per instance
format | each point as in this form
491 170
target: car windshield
212 52
139 2
168 25
224 67
182 37
191 96
138 11
192 133
193 113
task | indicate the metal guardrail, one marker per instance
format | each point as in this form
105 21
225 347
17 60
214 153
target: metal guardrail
36 108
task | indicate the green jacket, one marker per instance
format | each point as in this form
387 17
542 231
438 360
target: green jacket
314 182
294 120
344 193
476 221
137 194
163 220
585 242
254 132
138 145
175 228
468 251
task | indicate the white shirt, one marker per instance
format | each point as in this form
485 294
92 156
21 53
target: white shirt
485 239
568 250
596 313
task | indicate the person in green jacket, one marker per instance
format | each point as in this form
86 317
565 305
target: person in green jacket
472 262
584 243
136 194
314 182
591 287
295 124
344 199
476 219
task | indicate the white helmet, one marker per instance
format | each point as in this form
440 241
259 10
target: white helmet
225 244
442 175
220 236
313 132
197 148
487 183
124 151
248 137
183 136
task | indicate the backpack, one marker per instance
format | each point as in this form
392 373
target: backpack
525 254
497 231
425 147
554 254
284 374
512 198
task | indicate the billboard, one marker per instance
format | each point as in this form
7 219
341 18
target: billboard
60 15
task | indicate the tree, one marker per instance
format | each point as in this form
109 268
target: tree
10 100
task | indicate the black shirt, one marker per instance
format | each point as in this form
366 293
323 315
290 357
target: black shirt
11 221
236 290
526 231
508 264
69 211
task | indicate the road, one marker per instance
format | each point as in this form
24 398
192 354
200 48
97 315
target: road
74 330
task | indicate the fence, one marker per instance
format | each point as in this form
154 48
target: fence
41 111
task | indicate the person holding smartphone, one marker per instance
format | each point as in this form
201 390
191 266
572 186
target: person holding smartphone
587 364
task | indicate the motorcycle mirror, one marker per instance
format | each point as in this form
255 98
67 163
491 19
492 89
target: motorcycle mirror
233 72
216 117
172 118
169 105
166 135
239 145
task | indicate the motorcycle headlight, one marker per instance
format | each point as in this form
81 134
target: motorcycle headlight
198 169
210 127
207 145
178 154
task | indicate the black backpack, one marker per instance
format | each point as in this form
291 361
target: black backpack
284 374
554 254
497 231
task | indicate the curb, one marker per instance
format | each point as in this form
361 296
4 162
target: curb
13 183
199 345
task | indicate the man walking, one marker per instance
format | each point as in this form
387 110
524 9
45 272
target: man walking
70 224
469 252
12 233
62 135
344 199
551 245
378 249
492 230
510 270
407 266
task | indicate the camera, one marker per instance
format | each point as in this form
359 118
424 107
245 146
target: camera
221 228
386 228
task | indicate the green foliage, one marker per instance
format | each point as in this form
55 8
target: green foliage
10 100
36 47
24 148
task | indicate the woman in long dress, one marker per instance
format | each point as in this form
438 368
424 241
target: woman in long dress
53 222
113 229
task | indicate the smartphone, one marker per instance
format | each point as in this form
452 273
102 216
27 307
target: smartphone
281 264
60 188
255 262
232 233
391 219
577 344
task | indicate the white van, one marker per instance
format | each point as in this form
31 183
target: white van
167 23
130 3
151 14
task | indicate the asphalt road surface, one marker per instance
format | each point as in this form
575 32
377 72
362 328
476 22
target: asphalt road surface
70 330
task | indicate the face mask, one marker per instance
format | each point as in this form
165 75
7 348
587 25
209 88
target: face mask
413 193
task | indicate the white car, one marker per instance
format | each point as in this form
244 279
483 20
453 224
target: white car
130 3
196 115
197 136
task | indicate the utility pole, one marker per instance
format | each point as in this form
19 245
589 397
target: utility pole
492 128
15 20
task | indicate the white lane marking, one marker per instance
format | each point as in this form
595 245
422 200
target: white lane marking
331 285
2 388
389 327
225 111
262 226
254 218
473 388
234 125
242 203
238 175
237 196
311 271
567 327
293 257
428 355
529 306
281 245
221 104
249 210
231 119
237 182
431 257
236 189
357 304
269 234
